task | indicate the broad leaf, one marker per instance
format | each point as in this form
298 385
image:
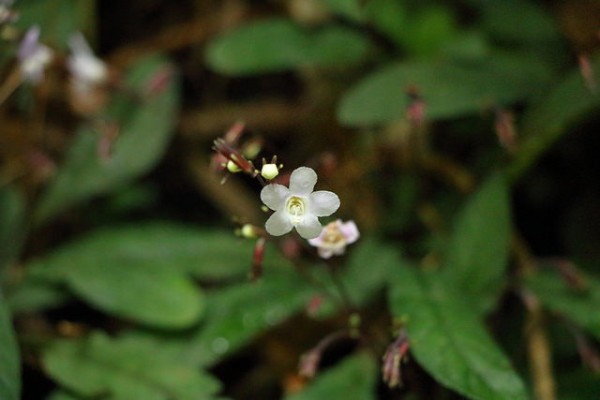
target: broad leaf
477 256
449 90
10 368
210 255
449 340
579 305
237 314
276 44
354 378
544 124
134 278
130 367
144 124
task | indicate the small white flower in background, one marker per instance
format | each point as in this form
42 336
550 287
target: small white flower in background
6 13
298 207
33 56
334 238
87 69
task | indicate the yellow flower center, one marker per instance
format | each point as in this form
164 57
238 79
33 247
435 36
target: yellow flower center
296 208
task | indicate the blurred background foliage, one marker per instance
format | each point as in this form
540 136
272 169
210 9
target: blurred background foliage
460 135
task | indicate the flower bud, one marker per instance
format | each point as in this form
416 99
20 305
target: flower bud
248 231
233 167
269 171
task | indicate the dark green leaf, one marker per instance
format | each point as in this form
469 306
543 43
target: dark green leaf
365 275
10 368
581 306
36 294
61 395
350 9
519 21
353 379
277 44
237 314
428 30
479 247
388 17
449 90
543 125
130 367
12 225
145 128
58 19
449 340
132 273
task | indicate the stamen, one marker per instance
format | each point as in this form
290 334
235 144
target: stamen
296 208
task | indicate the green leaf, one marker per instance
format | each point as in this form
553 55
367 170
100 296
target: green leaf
581 306
519 21
478 252
277 44
35 294
428 30
129 367
12 225
237 314
564 104
354 378
61 395
449 340
58 19
365 275
350 9
388 17
144 132
210 255
134 278
10 367
449 89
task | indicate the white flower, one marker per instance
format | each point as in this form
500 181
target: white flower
334 238
33 56
298 207
87 69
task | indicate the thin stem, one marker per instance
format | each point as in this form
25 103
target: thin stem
10 85
538 344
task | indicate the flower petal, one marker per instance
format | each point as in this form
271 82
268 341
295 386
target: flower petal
302 181
324 203
278 224
310 227
274 196
350 231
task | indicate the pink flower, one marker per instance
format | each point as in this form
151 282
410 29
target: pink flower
334 238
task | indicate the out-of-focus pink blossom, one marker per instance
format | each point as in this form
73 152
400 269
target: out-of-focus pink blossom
33 56
334 238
